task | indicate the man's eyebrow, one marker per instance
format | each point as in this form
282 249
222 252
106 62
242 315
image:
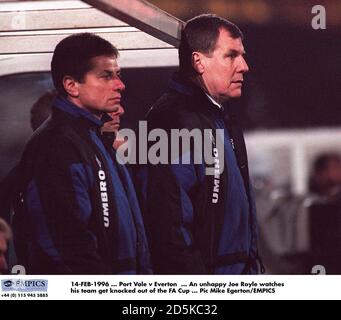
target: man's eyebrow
236 52
110 72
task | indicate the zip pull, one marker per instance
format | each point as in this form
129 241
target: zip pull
232 144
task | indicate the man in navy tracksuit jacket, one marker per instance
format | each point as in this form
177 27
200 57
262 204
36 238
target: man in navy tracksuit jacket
198 223
76 210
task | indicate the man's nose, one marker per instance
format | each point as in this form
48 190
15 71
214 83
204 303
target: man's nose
243 66
119 85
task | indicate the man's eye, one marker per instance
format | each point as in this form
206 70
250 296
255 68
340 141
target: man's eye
232 55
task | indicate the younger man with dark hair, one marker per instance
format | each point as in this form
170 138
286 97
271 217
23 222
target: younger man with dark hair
77 211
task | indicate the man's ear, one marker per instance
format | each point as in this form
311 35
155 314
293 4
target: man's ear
71 86
198 63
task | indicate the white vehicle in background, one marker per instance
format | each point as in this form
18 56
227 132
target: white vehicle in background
147 39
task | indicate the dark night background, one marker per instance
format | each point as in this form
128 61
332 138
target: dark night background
294 78
295 71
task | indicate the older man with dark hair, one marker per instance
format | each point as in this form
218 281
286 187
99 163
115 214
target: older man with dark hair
198 223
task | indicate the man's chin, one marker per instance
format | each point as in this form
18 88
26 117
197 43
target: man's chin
235 94
113 106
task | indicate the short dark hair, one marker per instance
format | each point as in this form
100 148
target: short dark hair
72 57
320 165
322 162
42 109
201 34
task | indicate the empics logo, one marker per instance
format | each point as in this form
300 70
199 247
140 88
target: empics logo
8 283
24 285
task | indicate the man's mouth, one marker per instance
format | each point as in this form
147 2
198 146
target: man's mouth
118 99
238 81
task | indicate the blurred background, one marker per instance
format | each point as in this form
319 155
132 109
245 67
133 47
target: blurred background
294 70
290 110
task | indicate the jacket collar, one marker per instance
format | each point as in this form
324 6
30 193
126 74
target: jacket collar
201 99
73 110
